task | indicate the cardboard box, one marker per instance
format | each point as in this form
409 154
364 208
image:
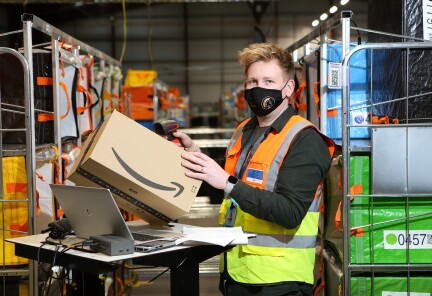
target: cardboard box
142 170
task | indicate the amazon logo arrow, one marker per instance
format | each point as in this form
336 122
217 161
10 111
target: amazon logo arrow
146 181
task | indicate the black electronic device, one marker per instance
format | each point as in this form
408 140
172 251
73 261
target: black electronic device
112 245
58 229
166 129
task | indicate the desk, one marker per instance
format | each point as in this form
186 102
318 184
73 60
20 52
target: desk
183 261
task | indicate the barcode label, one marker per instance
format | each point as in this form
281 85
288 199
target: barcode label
414 239
427 19
335 75
387 293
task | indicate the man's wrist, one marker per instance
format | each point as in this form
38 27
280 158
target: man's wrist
230 183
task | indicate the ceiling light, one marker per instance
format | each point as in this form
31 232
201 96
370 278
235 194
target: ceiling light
343 2
333 9
315 23
323 16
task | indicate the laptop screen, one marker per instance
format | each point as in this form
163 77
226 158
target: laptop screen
91 211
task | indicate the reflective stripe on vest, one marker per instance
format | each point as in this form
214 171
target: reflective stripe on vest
237 133
274 167
283 241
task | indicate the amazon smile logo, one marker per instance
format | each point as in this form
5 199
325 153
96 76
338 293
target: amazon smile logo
146 181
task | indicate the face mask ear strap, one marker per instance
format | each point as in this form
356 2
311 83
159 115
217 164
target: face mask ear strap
285 86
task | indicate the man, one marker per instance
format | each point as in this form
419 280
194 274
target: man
275 166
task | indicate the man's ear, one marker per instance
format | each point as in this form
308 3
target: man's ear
289 88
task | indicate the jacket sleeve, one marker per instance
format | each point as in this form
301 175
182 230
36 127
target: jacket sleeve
304 167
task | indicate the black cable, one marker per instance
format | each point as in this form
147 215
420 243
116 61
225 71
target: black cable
358 33
160 274
51 270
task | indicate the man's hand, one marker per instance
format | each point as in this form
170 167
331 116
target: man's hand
188 144
204 168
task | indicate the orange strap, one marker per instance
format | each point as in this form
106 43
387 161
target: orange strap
18 227
355 189
42 117
59 213
384 120
380 120
358 232
299 103
63 73
65 159
16 187
65 45
56 173
107 96
43 81
316 98
319 288
338 216
40 176
118 107
81 109
38 208
65 89
338 222
332 113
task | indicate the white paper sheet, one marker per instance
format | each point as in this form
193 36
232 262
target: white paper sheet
221 236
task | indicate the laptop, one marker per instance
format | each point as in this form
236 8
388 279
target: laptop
93 211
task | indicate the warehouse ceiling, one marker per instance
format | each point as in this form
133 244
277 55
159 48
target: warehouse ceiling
297 2
58 12
136 1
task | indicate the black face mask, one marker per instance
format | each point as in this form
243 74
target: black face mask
263 101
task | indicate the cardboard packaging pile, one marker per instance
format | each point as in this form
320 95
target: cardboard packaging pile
142 170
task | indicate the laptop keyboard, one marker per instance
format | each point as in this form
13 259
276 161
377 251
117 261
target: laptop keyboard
143 237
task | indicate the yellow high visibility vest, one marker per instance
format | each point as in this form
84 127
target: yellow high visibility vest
277 254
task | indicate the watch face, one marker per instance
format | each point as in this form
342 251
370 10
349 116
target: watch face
232 180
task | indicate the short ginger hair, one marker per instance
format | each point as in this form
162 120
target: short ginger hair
266 52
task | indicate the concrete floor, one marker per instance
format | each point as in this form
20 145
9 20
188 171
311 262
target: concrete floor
161 286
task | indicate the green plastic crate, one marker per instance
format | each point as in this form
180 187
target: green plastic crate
391 286
388 242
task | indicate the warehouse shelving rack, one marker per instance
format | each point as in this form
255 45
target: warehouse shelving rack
25 56
401 138
373 148
30 166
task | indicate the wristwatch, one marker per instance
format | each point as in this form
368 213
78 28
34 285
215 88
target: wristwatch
231 182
